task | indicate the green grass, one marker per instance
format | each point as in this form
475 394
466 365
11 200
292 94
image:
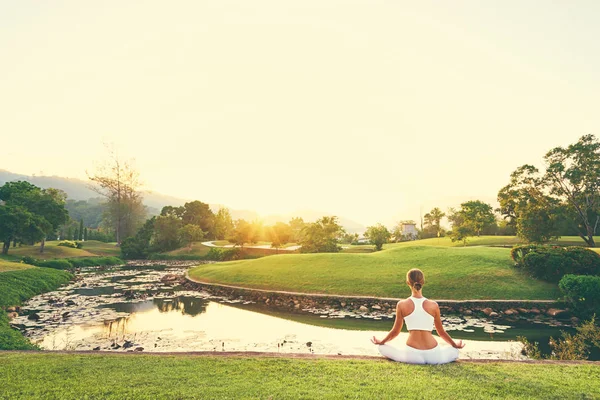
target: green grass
7 265
70 376
505 241
51 250
197 249
101 248
451 273
17 286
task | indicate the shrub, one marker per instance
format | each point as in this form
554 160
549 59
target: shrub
79 245
55 264
551 263
68 243
583 293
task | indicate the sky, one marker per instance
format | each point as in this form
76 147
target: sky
370 109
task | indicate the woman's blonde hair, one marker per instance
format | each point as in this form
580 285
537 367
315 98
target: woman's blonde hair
415 278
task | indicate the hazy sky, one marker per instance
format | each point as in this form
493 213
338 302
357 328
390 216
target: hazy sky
369 109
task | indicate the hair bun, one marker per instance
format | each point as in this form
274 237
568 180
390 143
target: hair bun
417 286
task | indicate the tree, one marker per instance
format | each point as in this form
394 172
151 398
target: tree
46 209
297 226
433 219
139 246
14 222
461 233
569 183
535 216
199 213
279 234
81 229
118 181
85 234
378 235
76 234
166 232
242 233
477 215
223 227
322 236
189 234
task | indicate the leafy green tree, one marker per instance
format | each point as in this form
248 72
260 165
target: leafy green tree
45 206
461 233
570 184
477 215
199 213
76 234
189 234
279 234
223 224
535 216
174 211
166 232
297 226
85 234
14 222
81 229
322 236
433 220
242 233
378 235
141 245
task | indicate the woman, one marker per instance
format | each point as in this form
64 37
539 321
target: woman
420 315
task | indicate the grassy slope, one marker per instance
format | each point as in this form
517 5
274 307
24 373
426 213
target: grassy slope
51 250
507 241
102 249
6 265
198 249
47 375
17 286
451 273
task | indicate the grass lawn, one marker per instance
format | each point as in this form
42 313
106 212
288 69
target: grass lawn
506 241
18 285
450 273
7 265
101 248
197 249
69 376
51 250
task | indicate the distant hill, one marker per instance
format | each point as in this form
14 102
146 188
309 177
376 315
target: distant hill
78 189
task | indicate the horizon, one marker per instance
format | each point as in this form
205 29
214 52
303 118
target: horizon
367 110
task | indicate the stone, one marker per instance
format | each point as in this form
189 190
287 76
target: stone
493 314
553 312
12 315
70 302
376 307
523 310
96 348
11 309
308 344
511 311
468 312
33 317
342 304
138 349
534 311
363 309
487 311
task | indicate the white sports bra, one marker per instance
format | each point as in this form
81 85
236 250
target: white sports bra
419 319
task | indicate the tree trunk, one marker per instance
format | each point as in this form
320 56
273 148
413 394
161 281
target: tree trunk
14 242
5 247
42 245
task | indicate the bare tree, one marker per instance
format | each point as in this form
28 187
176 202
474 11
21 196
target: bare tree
118 181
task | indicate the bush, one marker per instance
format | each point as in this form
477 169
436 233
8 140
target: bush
55 264
79 245
583 293
551 263
70 263
68 243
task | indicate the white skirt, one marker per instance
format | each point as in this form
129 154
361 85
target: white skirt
410 355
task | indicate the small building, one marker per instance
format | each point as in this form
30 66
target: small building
409 231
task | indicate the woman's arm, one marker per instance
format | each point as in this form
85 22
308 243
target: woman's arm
439 328
395 329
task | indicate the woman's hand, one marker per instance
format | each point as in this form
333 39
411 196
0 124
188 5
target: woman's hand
459 344
374 340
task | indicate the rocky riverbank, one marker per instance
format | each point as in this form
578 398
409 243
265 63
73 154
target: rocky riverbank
551 312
